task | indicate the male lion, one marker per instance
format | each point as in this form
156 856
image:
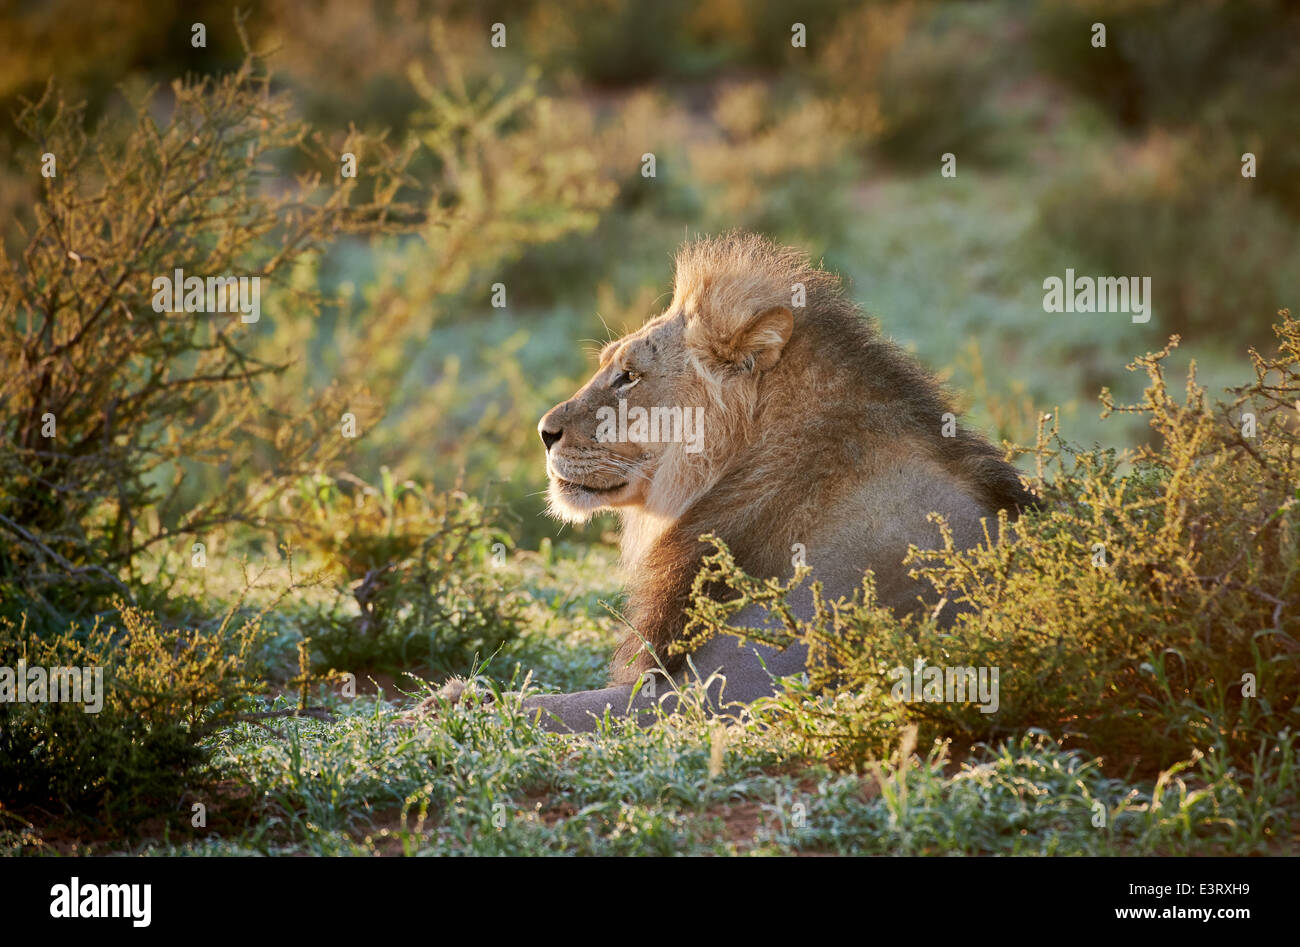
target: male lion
816 431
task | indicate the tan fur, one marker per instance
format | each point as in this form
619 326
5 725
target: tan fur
817 431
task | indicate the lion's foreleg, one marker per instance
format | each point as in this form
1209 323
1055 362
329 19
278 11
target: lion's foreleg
583 710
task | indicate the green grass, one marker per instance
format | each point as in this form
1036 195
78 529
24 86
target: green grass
486 784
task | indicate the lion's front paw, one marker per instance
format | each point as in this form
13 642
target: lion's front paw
451 694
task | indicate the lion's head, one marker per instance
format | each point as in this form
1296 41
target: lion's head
672 402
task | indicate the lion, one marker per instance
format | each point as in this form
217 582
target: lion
817 435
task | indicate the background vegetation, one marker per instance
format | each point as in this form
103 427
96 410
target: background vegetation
201 526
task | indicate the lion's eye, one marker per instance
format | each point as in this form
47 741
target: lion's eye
625 379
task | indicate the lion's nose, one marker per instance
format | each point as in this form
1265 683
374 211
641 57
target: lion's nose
551 426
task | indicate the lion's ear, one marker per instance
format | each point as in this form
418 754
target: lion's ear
758 345
755 346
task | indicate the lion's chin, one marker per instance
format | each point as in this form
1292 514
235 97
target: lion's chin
576 503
